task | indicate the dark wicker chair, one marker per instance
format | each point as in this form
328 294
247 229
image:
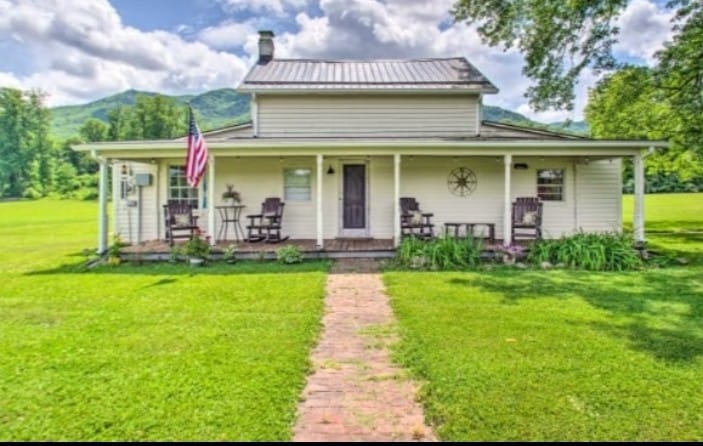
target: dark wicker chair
179 220
527 219
414 222
267 225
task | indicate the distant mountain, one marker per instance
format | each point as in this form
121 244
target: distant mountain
218 108
492 113
577 127
215 108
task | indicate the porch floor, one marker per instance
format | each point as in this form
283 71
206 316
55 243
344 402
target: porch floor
333 248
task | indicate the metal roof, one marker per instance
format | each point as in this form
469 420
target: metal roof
372 75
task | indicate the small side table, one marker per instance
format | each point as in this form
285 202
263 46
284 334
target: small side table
230 214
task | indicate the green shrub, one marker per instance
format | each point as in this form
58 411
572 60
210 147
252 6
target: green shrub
445 253
289 254
197 247
229 254
592 252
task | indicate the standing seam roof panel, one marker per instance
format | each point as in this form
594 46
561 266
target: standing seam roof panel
424 73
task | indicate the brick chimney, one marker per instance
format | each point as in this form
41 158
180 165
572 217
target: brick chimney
265 46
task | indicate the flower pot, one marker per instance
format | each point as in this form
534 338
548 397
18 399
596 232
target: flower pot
195 261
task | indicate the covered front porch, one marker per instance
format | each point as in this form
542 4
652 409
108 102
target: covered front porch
589 195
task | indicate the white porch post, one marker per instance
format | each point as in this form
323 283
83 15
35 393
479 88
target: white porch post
102 207
211 200
507 205
396 202
320 234
638 218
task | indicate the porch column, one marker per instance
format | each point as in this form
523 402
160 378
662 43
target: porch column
211 200
320 234
396 202
638 218
507 205
102 206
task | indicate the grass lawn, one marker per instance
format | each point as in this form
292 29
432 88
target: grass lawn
667 212
157 352
561 355
673 222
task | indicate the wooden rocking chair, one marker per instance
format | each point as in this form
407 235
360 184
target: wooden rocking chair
179 220
414 222
527 219
266 226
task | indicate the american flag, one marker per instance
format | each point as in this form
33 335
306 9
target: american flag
196 158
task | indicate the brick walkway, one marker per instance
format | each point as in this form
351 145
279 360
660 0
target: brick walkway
355 392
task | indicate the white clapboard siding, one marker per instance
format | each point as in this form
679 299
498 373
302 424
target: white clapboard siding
127 217
599 189
558 217
367 115
425 179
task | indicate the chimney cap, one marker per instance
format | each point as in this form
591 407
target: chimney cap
266 33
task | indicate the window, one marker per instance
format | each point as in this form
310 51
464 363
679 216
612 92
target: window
296 184
178 188
550 184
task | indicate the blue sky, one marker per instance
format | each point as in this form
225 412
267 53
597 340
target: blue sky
81 50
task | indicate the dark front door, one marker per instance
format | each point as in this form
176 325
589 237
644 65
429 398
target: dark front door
354 198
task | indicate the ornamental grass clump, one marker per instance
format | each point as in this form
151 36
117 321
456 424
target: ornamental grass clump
592 252
445 253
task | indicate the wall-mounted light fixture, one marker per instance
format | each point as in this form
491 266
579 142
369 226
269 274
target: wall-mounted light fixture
125 170
330 170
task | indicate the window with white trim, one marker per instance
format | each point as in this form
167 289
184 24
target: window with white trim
297 184
550 184
178 188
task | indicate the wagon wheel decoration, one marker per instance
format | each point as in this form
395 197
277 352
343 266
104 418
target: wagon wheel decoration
462 181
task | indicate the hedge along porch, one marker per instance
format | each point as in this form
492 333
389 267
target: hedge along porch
390 169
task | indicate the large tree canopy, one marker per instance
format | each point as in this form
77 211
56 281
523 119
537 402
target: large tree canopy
152 117
26 156
629 105
560 38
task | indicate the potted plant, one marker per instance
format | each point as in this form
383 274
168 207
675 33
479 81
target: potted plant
197 249
231 195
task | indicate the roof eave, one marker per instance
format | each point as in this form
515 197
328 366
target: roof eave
280 89
549 144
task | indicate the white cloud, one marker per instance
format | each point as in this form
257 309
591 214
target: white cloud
644 27
83 51
9 80
227 35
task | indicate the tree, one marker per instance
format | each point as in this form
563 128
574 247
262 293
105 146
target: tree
680 73
94 130
560 38
159 117
631 105
120 124
152 117
26 152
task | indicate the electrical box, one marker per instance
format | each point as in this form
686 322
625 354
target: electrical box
142 179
